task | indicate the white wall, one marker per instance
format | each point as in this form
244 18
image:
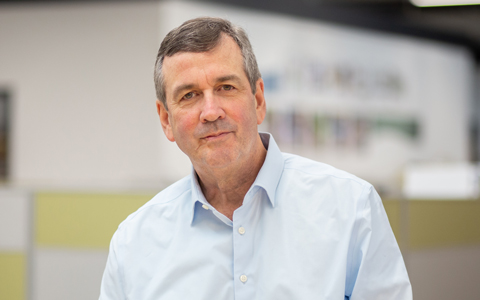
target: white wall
73 274
83 98
15 220
84 113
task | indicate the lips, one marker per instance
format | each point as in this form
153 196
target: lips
214 136
214 130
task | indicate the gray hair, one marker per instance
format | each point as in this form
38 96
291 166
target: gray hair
202 35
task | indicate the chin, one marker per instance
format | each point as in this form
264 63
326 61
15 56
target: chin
219 163
221 160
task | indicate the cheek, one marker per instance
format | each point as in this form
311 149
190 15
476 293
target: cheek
245 115
184 124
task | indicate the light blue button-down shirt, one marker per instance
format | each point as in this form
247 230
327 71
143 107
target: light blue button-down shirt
305 231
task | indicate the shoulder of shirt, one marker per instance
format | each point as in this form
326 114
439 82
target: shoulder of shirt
318 169
164 198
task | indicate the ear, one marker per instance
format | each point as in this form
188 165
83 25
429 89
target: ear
260 105
165 120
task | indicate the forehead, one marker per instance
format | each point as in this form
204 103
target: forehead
183 67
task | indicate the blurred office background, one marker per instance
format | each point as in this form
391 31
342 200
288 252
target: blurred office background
383 89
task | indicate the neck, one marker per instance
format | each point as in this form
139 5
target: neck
225 188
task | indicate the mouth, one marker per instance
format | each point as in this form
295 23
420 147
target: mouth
215 136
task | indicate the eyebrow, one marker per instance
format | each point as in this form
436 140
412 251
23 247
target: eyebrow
181 88
188 86
227 78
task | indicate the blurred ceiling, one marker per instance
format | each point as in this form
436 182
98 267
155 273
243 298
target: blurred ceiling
453 24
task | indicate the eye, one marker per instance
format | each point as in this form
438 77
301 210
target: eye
188 96
227 87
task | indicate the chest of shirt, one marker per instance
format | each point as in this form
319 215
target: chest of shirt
266 253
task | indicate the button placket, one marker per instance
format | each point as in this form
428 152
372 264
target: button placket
244 274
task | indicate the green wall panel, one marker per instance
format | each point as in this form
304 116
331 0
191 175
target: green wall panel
392 208
443 223
89 220
81 220
12 276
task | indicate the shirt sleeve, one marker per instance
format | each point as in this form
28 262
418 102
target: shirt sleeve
375 268
112 285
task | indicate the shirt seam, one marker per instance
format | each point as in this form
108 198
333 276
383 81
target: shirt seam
351 256
121 269
146 206
356 180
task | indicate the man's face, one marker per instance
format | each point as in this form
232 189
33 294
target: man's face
212 113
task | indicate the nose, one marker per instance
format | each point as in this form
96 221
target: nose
212 109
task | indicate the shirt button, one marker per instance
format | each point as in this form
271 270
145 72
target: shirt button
205 207
243 278
241 230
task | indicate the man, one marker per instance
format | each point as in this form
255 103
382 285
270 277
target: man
249 222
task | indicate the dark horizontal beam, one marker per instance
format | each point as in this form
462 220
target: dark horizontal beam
386 16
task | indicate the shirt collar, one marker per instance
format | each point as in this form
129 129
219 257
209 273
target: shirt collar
197 194
267 178
272 168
